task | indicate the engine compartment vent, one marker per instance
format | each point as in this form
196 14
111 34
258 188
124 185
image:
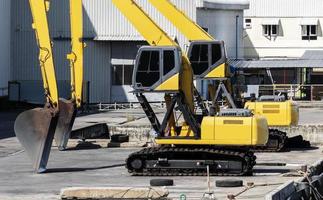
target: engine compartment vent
235 112
272 98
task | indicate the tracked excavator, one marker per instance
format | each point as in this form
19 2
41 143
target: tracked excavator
36 128
188 146
209 62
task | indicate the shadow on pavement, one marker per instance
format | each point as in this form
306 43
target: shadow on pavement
80 169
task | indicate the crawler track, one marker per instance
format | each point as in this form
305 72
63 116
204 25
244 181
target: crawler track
276 142
190 161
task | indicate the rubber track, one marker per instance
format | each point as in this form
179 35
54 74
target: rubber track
247 157
274 134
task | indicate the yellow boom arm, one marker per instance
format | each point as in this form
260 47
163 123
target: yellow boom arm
40 25
188 27
76 56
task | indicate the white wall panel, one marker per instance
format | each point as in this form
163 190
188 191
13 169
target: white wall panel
285 8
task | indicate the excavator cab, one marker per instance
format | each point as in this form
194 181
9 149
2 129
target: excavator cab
208 59
157 69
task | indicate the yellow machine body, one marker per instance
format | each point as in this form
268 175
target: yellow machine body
277 113
227 131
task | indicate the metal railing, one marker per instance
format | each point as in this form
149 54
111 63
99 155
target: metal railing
130 105
304 92
3 91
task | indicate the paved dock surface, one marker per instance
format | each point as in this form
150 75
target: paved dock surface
105 167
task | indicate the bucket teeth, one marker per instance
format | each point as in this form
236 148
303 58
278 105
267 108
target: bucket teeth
65 123
35 131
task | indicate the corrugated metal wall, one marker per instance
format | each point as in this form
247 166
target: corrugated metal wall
101 21
4 44
285 8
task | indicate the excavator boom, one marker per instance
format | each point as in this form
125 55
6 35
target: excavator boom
35 128
68 109
187 26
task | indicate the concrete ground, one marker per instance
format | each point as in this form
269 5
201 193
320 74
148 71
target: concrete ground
105 167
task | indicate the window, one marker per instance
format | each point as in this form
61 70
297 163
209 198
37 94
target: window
148 68
122 74
270 30
216 53
247 23
309 32
199 58
205 29
169 61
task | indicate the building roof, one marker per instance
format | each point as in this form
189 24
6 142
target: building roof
310 59
224 4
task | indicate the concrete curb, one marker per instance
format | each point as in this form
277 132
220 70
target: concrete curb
282 192
112 193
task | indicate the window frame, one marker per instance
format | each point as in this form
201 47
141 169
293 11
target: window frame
123 66
247 23
268 30
306 32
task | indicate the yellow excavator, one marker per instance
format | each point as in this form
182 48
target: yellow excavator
208 60
187 146
35 129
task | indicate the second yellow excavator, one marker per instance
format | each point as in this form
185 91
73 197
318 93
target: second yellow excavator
35 129
209 62
187 146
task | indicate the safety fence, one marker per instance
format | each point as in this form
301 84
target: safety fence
3 91
303 92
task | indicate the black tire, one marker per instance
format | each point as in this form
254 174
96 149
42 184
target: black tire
229 183
161 182
120 138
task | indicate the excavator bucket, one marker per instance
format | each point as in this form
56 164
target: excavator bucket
35 130
65 123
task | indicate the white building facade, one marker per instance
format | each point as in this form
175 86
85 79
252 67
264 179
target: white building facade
282 28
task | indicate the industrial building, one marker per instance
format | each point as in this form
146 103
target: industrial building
4 46
111 42
283 46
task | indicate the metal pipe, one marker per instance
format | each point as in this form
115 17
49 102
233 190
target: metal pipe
237 32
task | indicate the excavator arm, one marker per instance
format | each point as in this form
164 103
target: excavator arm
35 128
76 56
188 27
69 108
46 61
